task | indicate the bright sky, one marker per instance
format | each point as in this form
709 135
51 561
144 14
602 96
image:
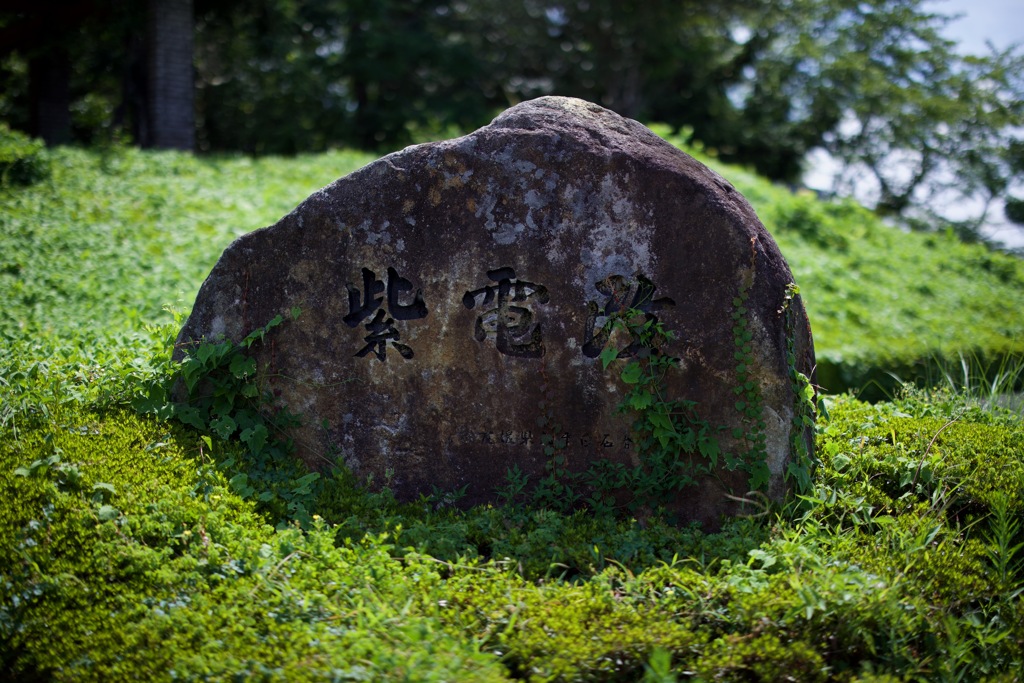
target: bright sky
998 21
1001 21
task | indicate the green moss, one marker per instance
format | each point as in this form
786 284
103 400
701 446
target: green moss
760 657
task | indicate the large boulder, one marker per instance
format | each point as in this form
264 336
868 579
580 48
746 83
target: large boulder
457 296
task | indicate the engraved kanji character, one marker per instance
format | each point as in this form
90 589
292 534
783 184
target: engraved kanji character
515 333
618 290
363 304
398 285
382 330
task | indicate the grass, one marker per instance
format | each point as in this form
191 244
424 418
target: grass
131 549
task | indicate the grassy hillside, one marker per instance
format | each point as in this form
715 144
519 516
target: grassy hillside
112 238
136 548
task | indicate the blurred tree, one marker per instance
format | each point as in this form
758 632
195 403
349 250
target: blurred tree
289 75
46 36
77 71
170 112
760 83
1014 205
875 84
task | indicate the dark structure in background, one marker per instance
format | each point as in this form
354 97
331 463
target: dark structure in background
49 76
117 65
171 86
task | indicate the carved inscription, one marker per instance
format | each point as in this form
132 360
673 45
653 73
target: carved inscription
366 302
622 294
507 315
568 440
506 312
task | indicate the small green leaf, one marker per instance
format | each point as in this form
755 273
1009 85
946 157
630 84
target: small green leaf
255 437
205 352
242 366
632 373
608 355
107 513
223 426
641 400
189 415
105 488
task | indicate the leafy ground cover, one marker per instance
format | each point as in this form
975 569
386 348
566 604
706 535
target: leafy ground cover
134 548
129 553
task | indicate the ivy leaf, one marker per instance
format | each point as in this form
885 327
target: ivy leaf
609 354
104 490
662 421
240 485
640 400
759 476
709 449
823 410
255 437
190 416
205 352
632 373
224 426
242 366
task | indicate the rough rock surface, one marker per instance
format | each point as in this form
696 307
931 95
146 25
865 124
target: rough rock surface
455 296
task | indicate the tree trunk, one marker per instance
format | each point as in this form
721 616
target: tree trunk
170 93
50 96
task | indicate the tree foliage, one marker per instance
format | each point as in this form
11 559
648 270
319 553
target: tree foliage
877 86
872 82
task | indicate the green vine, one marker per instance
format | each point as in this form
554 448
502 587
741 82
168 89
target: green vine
676 448
803 463
749 402
222 393
674 445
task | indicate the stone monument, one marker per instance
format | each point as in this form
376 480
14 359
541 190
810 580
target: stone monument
456 298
